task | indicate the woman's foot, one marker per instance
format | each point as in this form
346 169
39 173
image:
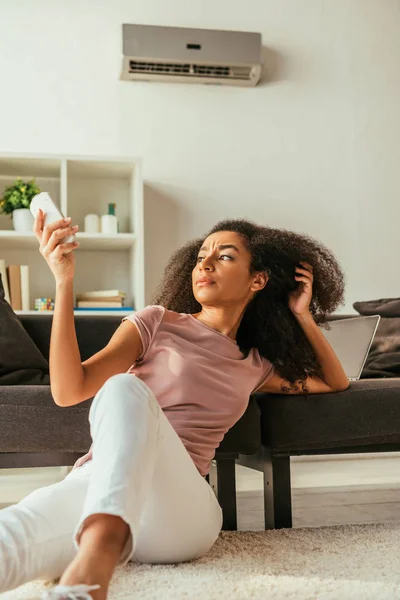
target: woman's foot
89 571
70 592
101 543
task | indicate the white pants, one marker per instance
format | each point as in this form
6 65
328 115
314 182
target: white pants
140 471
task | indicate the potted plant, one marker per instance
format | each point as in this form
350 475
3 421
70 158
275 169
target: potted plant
16 200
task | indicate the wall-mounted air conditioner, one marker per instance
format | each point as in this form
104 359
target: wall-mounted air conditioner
180 54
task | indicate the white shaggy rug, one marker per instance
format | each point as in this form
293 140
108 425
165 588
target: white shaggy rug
327 563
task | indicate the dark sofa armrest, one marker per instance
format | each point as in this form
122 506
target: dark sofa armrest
30 421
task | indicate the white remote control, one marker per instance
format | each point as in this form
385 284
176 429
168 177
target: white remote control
51 212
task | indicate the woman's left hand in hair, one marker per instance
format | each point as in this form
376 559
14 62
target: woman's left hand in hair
300 298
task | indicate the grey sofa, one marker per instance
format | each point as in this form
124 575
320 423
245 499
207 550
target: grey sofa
364 418
35 432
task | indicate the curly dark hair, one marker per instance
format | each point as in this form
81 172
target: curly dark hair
268 324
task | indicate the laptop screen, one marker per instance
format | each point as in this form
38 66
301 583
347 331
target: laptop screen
351 340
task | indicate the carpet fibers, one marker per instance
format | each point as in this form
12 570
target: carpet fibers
326 563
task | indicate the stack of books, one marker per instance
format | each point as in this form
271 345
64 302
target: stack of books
15 280
102 299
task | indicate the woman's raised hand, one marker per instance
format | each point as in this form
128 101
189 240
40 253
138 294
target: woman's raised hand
59 257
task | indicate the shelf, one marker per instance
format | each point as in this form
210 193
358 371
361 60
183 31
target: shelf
87 241
82 185
95 169
18 166
47 178
123 313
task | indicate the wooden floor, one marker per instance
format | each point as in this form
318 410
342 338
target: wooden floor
328 492
325 490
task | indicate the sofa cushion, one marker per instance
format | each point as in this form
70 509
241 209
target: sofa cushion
21 362
367 413
93 332
383 359
386 307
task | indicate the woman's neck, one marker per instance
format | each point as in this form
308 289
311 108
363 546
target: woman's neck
222 320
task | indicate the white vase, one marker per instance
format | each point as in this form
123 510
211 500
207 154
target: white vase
22 219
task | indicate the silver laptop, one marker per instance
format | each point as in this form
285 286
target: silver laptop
351 340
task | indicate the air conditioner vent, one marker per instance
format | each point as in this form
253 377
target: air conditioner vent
218 71
136 66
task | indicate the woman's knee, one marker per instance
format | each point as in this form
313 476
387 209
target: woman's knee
125 388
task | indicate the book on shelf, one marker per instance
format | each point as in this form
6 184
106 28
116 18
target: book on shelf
120 299
16 285
4 279
124 308
100 294
101 299
24 271
98 304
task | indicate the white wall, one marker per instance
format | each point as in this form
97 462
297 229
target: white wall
313 149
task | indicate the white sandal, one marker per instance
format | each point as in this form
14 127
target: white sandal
70 592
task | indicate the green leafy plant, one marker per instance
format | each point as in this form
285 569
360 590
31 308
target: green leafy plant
18 195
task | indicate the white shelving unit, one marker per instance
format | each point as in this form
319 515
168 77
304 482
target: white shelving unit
80 185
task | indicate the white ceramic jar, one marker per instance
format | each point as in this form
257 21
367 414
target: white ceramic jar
92 223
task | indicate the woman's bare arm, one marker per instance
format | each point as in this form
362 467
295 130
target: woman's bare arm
313 385
66 371
71 380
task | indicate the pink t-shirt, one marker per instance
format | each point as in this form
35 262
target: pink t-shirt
199 376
